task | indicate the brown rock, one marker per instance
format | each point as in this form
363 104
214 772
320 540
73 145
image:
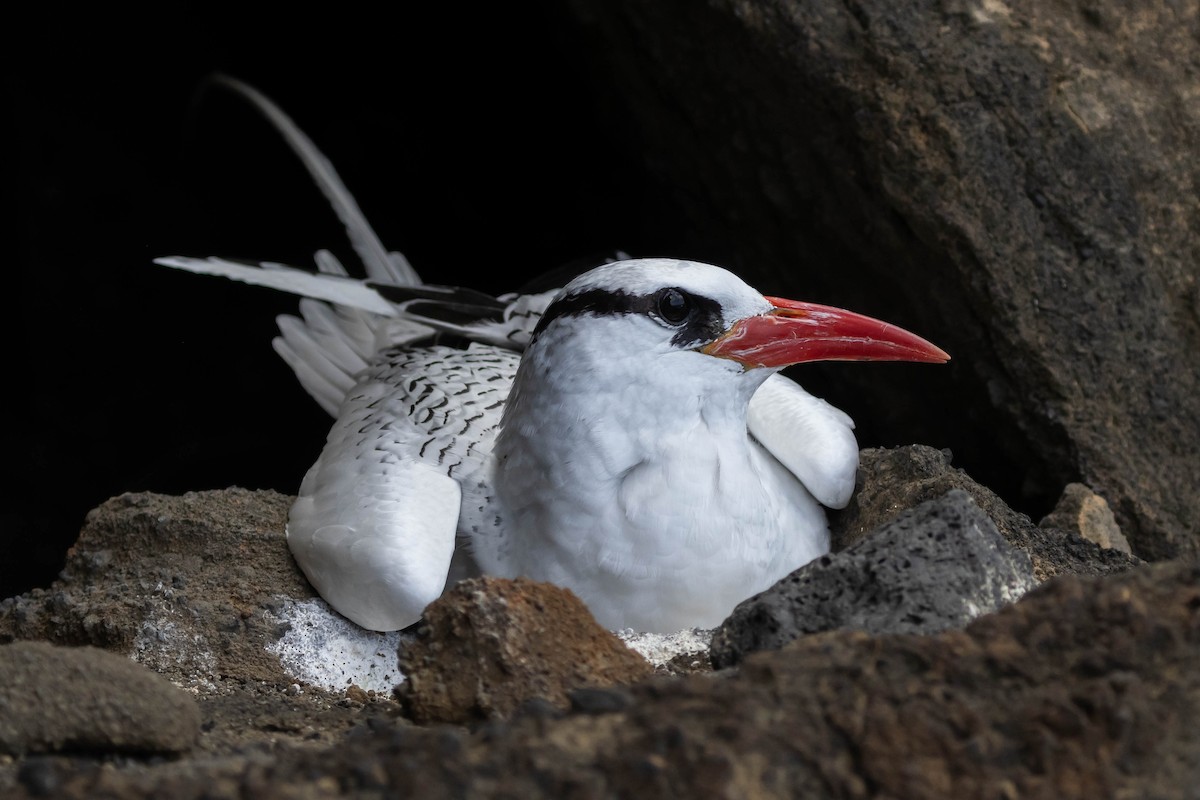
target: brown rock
186 585
196 588
84 699
1085 513
893 480
490 644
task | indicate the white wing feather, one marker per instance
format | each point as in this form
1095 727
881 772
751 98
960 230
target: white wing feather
405 473
814 440
374 531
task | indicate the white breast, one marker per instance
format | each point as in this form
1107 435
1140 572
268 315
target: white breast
642 490
670 541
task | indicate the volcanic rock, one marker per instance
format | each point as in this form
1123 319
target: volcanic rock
85 699
1084 688
488 645
891 480
1085 513
935 567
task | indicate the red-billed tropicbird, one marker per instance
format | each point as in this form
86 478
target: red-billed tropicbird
627 437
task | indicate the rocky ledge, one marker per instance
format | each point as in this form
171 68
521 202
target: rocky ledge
948 648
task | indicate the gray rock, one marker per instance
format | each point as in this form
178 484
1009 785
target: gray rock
890 480
935 567
55 699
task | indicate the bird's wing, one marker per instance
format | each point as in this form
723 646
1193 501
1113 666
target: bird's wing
405 468
814 440
328 346
330 343
375 537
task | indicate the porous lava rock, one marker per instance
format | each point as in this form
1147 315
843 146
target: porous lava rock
489 645
934 567
891 480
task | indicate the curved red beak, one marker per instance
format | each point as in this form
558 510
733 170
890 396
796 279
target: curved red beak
793 332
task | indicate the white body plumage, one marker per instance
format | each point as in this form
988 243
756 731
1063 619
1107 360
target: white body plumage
625 469
627 438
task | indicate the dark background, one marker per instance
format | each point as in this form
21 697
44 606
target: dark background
475 149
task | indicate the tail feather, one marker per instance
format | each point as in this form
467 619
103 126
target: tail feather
329 287
329 264
325 327
328 346
361 330
318 386
404 273
310 347
344 322
381 265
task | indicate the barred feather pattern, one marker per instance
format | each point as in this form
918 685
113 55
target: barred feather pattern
440 406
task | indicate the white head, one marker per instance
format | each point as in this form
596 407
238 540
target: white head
665 336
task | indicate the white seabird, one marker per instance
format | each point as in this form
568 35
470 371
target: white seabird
627 437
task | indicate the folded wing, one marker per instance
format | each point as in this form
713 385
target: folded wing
814 440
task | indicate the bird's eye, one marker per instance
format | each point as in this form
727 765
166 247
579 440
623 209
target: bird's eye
674 306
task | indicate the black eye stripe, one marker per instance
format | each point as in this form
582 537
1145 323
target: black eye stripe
703 325
600 302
